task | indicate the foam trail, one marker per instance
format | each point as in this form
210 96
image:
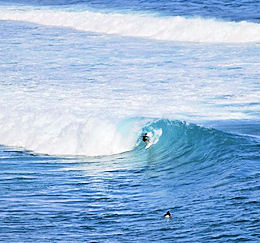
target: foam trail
159 28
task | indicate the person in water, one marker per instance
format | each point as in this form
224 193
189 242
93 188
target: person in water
167 215
146 139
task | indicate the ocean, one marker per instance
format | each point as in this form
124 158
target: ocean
82 81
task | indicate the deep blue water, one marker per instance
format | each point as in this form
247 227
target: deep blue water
75 101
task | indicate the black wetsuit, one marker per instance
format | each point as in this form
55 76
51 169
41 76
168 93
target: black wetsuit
145 138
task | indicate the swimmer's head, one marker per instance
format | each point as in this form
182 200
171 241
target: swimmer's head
168 215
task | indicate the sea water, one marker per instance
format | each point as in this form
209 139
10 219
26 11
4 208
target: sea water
82 81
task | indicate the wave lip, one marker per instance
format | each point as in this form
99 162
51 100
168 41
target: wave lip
146 26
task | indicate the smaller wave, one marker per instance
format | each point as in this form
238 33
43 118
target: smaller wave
146 26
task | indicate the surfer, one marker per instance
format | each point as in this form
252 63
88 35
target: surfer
146 139
167 215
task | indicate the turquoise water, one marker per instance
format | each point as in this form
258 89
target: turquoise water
80 83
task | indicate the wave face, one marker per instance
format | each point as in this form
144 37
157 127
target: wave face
183 142
141 25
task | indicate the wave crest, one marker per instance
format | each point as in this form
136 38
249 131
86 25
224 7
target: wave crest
146 26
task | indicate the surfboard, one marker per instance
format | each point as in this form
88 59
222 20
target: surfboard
148 145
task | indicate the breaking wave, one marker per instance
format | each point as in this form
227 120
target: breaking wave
66 136
176 28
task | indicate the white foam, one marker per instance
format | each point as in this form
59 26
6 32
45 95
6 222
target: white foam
136 25
64 134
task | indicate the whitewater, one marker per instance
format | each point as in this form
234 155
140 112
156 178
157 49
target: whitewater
82 81
176 28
